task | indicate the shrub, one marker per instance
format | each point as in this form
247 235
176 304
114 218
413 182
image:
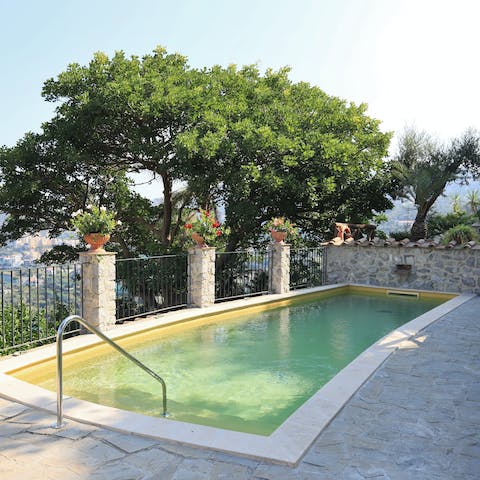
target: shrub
400 235
438 224
460 233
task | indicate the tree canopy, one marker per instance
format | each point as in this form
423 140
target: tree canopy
258 145
423 168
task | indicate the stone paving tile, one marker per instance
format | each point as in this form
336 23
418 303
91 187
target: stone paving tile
9 409
36 418
154 460
417 418
186 450
117 471
9 429
201 469
127 443
72 430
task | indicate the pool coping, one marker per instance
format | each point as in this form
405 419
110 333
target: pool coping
286 445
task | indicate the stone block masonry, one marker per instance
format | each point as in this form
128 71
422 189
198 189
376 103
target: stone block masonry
98 272
279 277
423 268
201 277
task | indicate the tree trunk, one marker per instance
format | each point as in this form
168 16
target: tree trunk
123 245
419 228
167 209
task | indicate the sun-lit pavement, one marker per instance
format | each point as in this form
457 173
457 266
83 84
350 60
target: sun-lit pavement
418 417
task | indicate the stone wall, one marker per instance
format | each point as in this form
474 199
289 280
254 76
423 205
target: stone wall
448 270
201 277
279 275
98 272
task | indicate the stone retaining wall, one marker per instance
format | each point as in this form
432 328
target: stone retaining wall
448 270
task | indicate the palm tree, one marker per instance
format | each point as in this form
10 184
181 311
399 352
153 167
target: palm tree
456 203
423 168
473 201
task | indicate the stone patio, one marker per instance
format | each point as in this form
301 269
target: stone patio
417 417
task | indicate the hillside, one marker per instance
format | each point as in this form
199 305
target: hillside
401 216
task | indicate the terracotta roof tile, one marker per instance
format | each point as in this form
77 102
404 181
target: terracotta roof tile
406 242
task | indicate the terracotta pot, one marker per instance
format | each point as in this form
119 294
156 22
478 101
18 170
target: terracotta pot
96 241
198 239
278 236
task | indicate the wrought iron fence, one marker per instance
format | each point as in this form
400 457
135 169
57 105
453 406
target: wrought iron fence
307 267
33 302
150 285
241 274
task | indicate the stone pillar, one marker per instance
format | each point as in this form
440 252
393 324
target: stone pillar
279 278
98 272
201 276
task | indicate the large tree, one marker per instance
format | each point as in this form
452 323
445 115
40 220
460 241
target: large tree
258 144
423 167
42 184
273 147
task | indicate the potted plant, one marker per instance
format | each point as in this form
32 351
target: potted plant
205 230
281 228
94 225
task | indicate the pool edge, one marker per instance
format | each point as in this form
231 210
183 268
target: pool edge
286 445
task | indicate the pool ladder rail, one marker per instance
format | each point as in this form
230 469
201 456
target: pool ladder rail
91 328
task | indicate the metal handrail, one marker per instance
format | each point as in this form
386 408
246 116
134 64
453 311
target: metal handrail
117 347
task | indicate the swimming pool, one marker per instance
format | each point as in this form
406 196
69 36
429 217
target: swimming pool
248 372
288 443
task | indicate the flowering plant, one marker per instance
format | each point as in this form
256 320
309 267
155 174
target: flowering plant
281 224
207 226
94 220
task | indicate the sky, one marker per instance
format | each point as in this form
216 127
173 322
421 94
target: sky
414 62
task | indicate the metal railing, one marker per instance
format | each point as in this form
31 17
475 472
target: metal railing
241 274
307 267
61 329
150 285
34 300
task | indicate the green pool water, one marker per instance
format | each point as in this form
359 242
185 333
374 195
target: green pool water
247 374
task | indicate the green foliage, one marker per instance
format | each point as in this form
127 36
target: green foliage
285 149
456 204
378 219
146 285
306 268
258 144
241 273
460 234
27 327
208 227
16 322
93 220
59 254
438 224
473 201
422 169
400 235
